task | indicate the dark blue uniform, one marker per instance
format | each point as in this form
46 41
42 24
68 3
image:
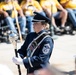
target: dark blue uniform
40 57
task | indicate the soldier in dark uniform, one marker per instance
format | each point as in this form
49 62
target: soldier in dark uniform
37 48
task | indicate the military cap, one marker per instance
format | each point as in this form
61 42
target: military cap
40 18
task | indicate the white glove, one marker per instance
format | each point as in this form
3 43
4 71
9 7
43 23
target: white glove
17 60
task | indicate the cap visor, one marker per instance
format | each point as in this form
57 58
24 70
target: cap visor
35 20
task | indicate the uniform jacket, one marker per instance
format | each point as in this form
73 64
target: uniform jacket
40 57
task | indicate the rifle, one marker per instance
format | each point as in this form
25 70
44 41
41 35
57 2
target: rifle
13 40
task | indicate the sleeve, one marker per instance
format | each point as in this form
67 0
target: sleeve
38 6
43 57
57 3
17 6
42 3
22 3
1 5
22 51
63 1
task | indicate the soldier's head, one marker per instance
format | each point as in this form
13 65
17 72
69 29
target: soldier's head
40 22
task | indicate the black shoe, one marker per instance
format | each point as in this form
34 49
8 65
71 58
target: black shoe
74 29
57 29
62 29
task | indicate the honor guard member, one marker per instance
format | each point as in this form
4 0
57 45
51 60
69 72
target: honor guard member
37 48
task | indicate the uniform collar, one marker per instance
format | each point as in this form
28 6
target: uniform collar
41 32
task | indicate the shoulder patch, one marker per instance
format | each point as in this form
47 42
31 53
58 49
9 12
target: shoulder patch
46 49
